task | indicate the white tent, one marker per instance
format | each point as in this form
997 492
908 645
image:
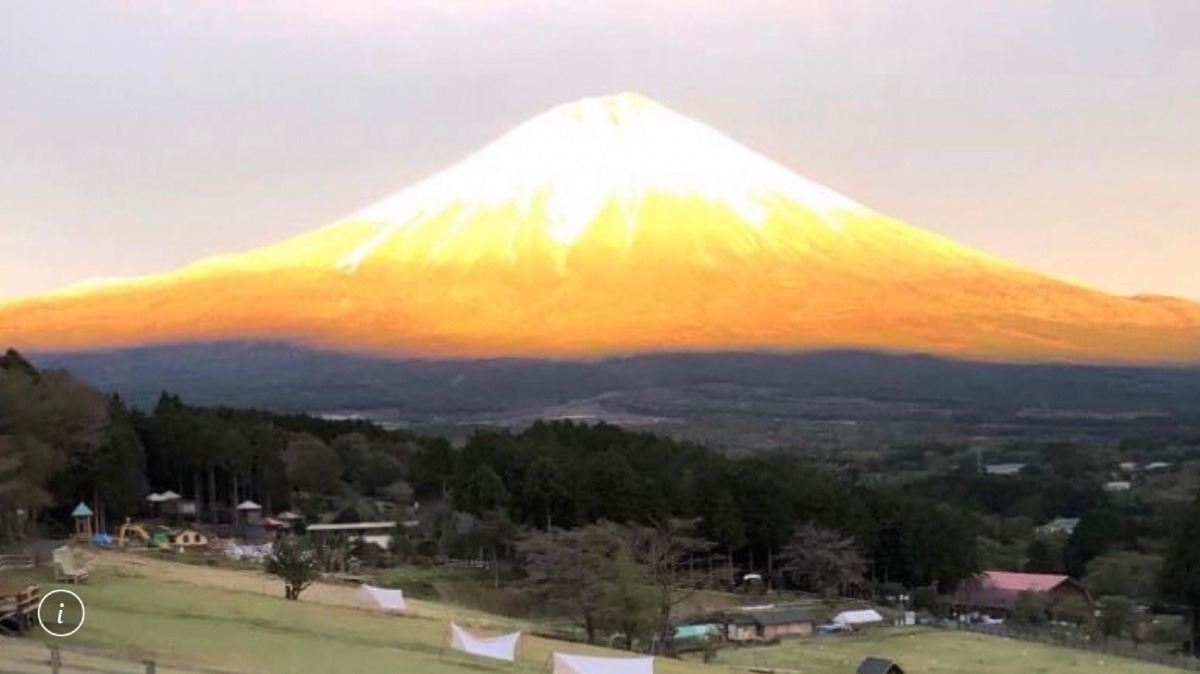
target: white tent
583 664
856 618
388 600
503 647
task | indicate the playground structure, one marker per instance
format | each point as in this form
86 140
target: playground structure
131 530
83 517
247 537
188 537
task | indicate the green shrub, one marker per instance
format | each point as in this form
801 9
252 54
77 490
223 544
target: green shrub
418 582
1030 609
295 561
927 599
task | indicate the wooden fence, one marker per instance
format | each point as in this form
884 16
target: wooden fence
16 562
18 656
465 563
1113 648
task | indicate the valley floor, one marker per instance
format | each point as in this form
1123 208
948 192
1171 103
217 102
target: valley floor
188 617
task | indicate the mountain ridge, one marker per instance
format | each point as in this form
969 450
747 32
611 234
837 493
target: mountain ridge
286 378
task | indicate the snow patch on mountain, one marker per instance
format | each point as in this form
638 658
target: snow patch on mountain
575 159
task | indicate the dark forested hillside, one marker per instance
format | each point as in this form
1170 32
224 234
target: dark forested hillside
915 515
557 474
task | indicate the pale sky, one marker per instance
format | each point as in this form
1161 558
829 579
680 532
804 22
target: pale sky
136 136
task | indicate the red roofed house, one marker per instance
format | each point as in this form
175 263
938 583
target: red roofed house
995 593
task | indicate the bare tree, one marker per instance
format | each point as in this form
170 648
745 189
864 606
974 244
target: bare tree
822 561
566 569
596 574
667 550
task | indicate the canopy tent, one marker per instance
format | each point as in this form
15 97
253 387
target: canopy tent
503 647
685 632
584 664
861 617
388 600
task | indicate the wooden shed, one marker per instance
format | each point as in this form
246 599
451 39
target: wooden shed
768 624
785 623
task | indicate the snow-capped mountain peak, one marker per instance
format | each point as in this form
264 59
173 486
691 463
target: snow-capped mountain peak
562 168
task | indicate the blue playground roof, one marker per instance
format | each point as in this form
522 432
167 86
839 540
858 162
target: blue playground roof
81 510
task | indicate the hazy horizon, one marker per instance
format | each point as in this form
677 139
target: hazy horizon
139 139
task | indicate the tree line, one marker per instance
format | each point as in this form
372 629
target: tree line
67 442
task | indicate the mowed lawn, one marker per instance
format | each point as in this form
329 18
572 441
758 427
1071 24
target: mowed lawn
192 616
921 651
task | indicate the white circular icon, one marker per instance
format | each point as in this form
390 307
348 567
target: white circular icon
82 613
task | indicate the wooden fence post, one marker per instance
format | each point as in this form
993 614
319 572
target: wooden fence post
55 659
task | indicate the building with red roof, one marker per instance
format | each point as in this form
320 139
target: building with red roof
996 592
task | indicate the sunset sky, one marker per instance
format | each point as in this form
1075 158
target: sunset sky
138 136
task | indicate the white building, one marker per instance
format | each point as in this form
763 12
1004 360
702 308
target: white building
1004 468
1059 525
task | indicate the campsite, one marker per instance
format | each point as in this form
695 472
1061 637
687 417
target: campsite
189 617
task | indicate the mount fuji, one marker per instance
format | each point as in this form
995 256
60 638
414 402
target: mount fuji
609 227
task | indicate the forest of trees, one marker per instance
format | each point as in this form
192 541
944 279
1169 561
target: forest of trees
73 443
819 526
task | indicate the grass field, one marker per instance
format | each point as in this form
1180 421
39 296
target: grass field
924 651
191 616
186 615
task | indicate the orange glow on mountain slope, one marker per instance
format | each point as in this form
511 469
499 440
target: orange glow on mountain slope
615 226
